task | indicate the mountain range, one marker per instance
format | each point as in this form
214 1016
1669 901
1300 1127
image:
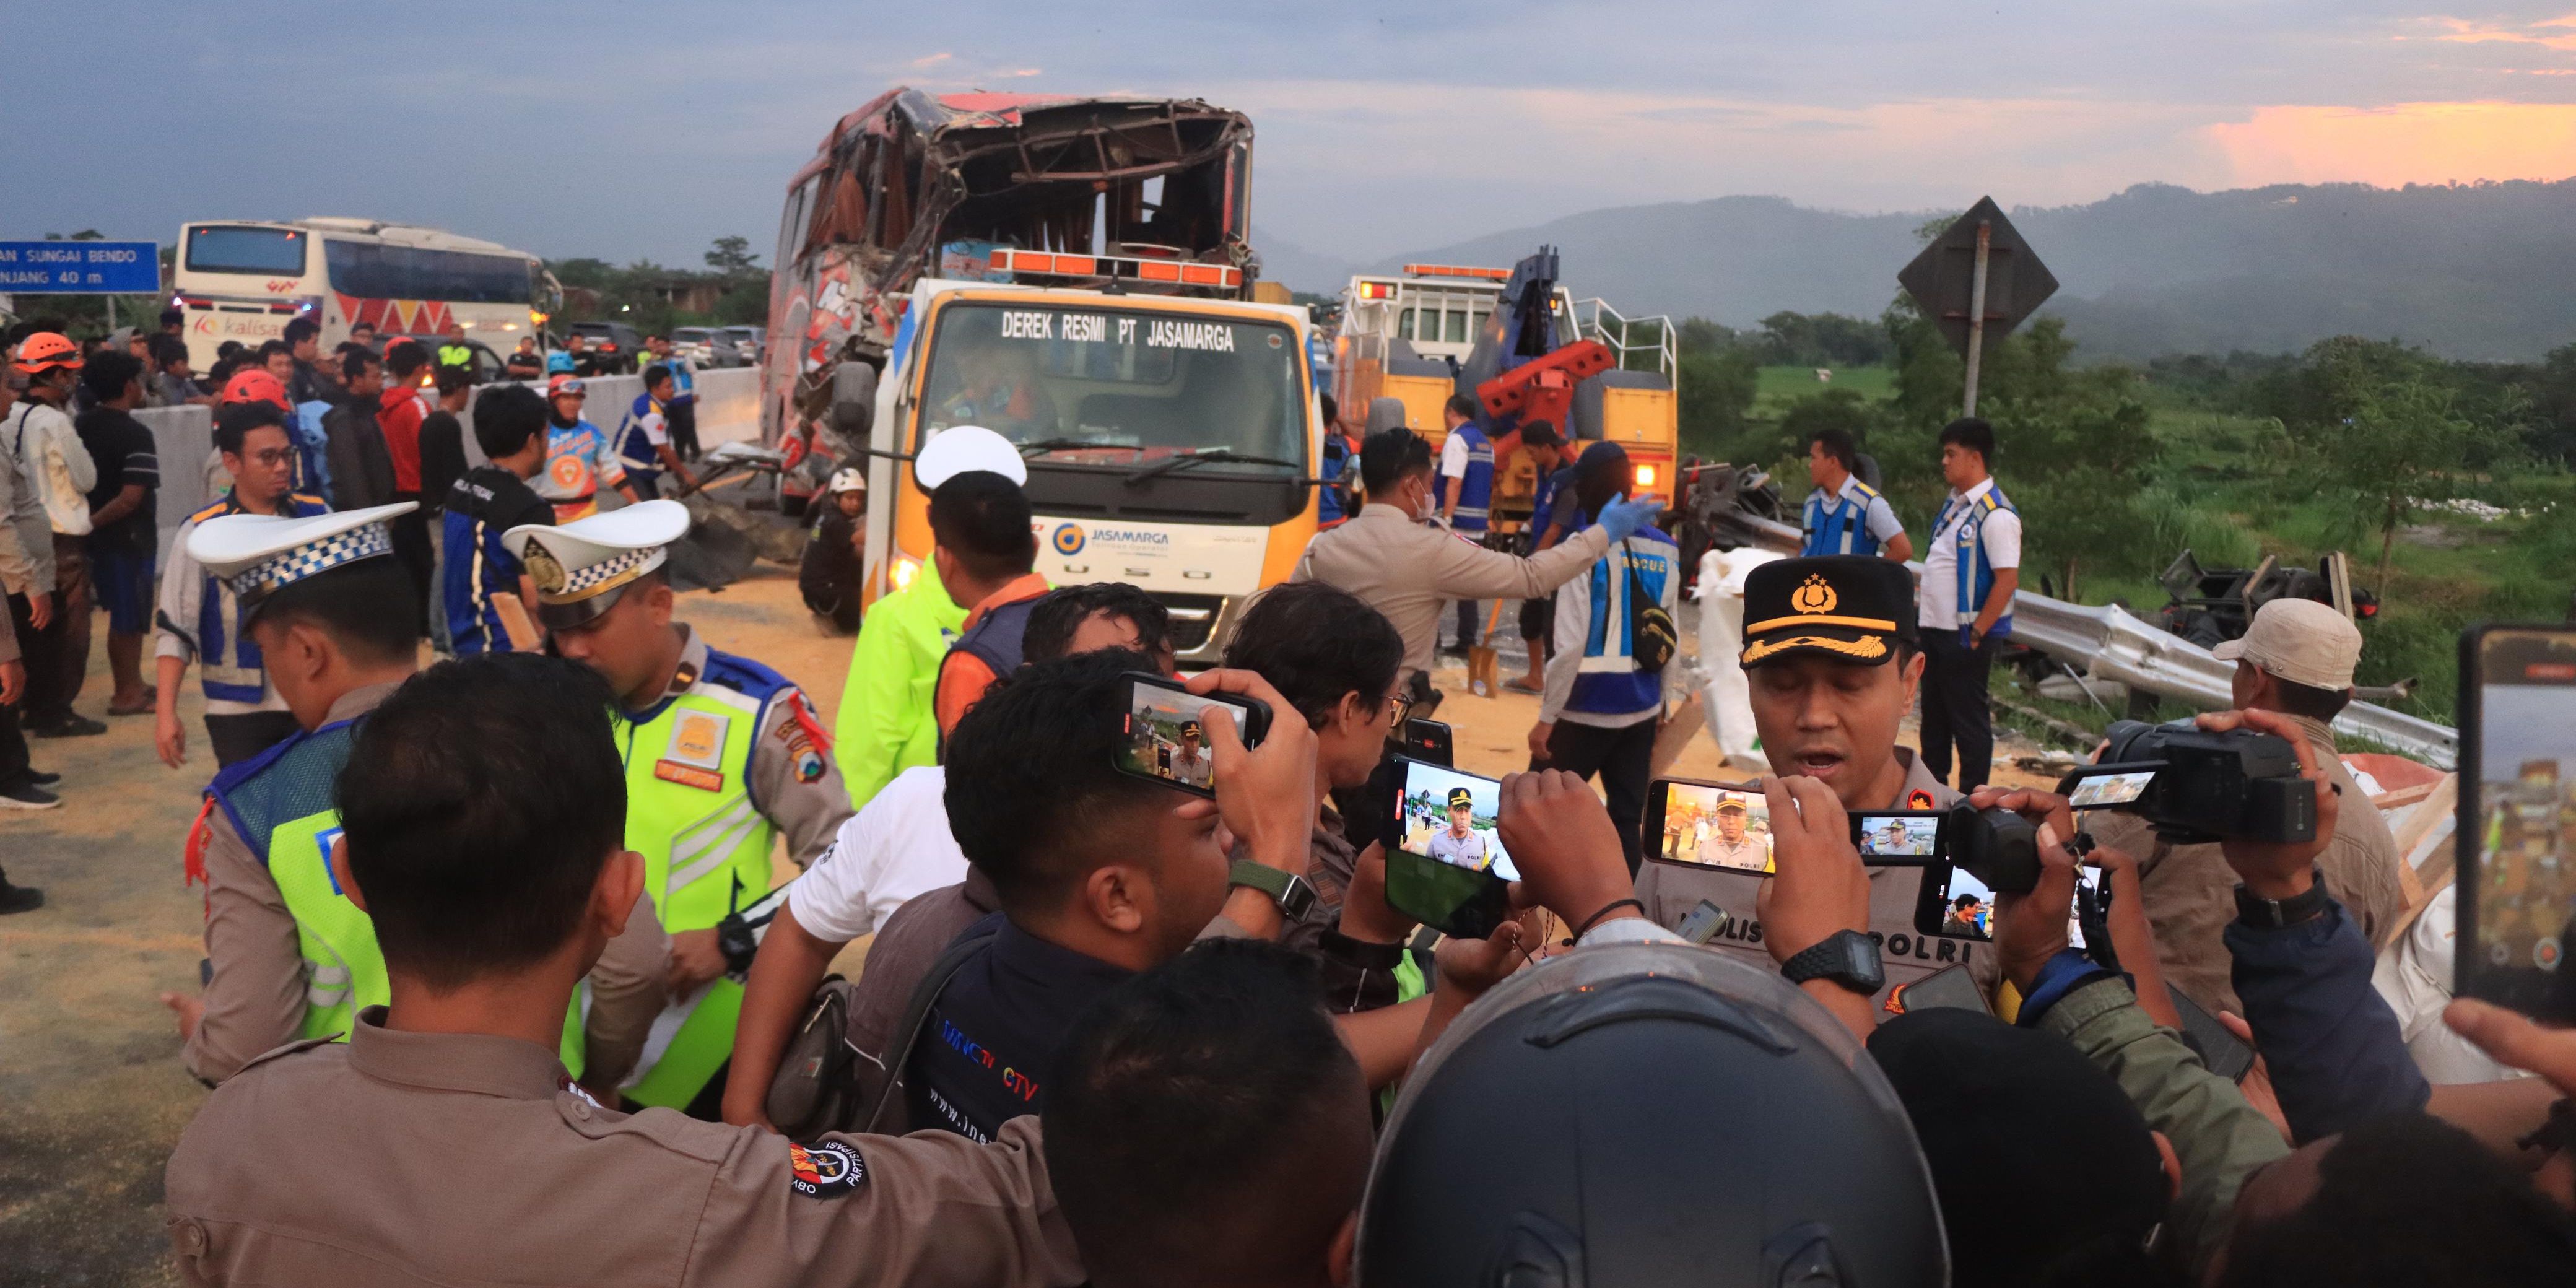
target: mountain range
2475 271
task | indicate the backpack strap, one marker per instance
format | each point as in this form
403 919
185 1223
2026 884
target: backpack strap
916 1014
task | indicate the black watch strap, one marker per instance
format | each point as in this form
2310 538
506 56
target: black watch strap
1290 891
1847 957
2273 914
1361 954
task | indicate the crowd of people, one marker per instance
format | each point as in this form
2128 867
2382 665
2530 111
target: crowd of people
500 986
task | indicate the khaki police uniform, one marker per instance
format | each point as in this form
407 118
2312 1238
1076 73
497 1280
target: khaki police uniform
289 955
729 758
1852 609
417 1158
1745 851
1410 571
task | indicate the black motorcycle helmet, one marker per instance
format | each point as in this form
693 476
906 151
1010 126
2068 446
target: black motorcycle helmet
1646 1115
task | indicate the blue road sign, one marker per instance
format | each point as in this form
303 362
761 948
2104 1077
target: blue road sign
79 268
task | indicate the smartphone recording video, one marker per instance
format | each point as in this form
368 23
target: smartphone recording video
2099 791
1711 826
2517 828
1166 732
1448 868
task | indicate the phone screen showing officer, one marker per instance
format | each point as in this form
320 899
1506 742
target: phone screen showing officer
1886 836
1165 733
1448 868
1710 826
2517 827
2099 790
1452 817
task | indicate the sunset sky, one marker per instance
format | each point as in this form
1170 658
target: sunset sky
649 128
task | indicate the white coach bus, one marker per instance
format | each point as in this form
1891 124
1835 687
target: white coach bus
245 280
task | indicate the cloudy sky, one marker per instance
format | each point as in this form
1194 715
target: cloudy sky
647 129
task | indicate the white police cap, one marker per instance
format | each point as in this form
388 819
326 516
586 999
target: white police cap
257 555
963 448
581 568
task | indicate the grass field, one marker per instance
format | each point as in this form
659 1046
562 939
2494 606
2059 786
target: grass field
1779 386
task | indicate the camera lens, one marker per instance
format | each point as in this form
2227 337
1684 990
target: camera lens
2123 735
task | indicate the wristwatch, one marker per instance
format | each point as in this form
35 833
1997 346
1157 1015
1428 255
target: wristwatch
2272 914
1847 957
1290 891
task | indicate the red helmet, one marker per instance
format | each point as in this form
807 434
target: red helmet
46 350
255 385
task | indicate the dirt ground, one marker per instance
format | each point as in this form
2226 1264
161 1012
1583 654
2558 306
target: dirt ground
92 1095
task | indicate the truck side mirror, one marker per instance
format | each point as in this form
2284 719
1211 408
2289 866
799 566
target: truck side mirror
854 401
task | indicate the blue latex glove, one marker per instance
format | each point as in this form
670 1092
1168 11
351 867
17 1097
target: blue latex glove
1622 518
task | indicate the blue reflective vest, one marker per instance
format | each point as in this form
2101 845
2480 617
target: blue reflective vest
1329 494
1976 574
1607 680
1839 525
229 666
636 449
1476 490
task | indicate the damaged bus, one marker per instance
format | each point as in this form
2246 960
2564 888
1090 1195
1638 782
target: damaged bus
1075 275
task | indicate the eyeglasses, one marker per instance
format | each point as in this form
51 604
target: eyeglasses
1398 706
273 457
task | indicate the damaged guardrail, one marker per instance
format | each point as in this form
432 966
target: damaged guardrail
2108 643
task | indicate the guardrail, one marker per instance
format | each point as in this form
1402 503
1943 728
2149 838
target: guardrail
2108 643
184 437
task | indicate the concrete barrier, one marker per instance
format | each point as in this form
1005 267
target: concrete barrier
184 437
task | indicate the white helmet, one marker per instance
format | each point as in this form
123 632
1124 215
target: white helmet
847 480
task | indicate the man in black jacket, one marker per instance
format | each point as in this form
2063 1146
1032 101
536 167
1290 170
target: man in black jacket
362 470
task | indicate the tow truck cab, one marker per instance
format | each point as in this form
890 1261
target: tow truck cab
1170 440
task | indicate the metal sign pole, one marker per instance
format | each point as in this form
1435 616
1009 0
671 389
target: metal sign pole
1977 317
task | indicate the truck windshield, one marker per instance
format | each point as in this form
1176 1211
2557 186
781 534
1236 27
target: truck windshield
1113 387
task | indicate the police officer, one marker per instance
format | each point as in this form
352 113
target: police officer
453 353
1467 489
1191 764
442 1143
722 755
288 954
1459 844
1831 663
1845 516
1732 846
1969 577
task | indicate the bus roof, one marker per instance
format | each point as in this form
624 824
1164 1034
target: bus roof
373 230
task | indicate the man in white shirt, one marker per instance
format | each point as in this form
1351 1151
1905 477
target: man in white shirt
55 474
1965 602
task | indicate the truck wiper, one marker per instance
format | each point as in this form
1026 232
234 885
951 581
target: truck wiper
1045 445
1184 460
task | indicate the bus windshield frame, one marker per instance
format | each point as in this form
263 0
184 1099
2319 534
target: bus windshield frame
1105 386
206 241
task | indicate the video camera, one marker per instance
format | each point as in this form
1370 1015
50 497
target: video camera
2195 785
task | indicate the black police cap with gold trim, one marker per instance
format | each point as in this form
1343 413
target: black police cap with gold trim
1461 796
1850 608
